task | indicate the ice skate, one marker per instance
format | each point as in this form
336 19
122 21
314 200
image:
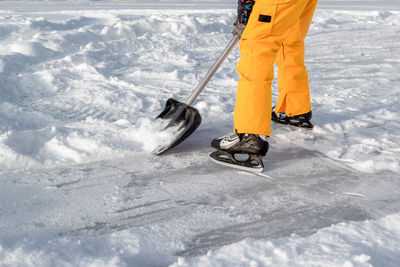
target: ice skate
241 151
302 120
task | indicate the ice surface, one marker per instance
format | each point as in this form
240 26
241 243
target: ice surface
80 86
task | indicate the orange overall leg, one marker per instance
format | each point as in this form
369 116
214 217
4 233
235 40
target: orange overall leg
294 90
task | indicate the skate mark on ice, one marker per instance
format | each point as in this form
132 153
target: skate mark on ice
261 174
146 205
60 185
152 216
355 194
119 224
79 168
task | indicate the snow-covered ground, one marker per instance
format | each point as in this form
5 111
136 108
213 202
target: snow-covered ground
79 85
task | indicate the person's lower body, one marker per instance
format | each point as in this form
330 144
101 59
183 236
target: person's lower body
275 33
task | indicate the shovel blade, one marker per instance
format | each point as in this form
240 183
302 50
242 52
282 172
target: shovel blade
182 116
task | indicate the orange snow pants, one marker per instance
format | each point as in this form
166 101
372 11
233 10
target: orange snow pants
275 33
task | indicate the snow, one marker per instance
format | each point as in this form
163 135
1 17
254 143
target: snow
80 84
371 243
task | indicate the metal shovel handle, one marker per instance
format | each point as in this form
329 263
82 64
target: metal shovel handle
213 70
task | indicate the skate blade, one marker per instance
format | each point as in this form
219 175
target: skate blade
258 169
294 125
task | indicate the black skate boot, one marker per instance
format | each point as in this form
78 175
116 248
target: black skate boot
302 120
242 151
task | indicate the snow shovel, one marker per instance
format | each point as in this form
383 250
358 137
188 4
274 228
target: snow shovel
183 116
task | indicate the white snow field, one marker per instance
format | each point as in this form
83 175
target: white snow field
80 84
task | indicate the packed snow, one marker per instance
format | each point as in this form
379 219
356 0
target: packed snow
347 244
80 86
